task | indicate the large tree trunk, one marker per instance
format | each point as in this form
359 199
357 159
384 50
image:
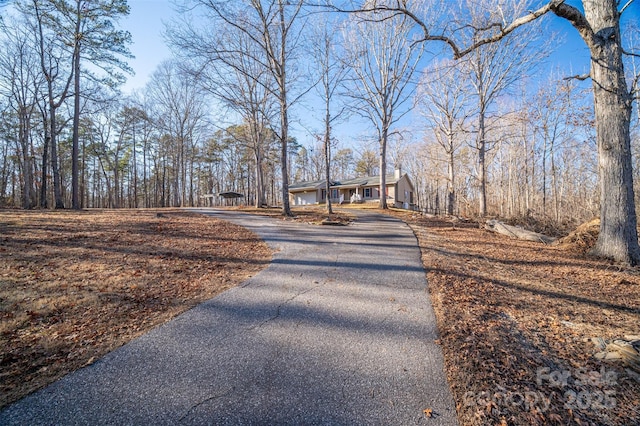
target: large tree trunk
451 192
618 237
482 166
75 170
27 168
55 167
327 154
45 162
383 166
261 198
286 207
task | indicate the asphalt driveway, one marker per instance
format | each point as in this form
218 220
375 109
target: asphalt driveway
338 330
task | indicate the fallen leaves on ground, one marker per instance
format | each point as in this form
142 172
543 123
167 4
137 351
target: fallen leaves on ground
516 319
313 215
516 323
582 239
76 285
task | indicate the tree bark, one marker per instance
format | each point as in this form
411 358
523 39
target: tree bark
51 74
260 191
482 150
55 165
281 73
451 182
45 162
284 136
327 153
383 166
27 168
600 29
516 232
75 181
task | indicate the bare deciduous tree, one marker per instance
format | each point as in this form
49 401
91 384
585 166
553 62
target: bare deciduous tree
58 77
87 27
383 59
231 66
273 27
443 99
551 114
181 114
599 26
332 74
18 70
493 68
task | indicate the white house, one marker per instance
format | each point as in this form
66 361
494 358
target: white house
399 191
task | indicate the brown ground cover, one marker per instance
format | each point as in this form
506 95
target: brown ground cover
312 215
516 319
76 285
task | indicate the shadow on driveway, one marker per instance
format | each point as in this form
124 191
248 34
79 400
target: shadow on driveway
339 329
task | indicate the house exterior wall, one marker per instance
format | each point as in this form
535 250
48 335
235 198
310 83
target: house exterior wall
399 193
391 192
404 193
335 195
304 198
370 193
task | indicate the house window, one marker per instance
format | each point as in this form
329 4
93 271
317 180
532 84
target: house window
334 193
367 193
323 194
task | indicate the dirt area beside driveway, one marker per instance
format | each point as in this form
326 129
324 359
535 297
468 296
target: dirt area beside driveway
76 285
521 325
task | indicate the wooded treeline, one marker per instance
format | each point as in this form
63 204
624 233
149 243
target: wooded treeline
497 132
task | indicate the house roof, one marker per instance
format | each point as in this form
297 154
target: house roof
303 186
365 181
345 183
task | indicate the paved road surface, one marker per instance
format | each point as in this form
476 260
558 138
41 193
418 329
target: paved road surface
338 330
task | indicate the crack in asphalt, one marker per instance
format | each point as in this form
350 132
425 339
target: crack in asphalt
281 305
204 401
263 354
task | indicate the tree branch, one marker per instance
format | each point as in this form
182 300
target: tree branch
576 18
400 9
625 7
624 52
531 16
635 87
556 6
581 77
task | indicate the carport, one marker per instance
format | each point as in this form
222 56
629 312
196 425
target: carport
230 197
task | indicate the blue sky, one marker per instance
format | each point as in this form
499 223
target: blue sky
147 18
145 23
